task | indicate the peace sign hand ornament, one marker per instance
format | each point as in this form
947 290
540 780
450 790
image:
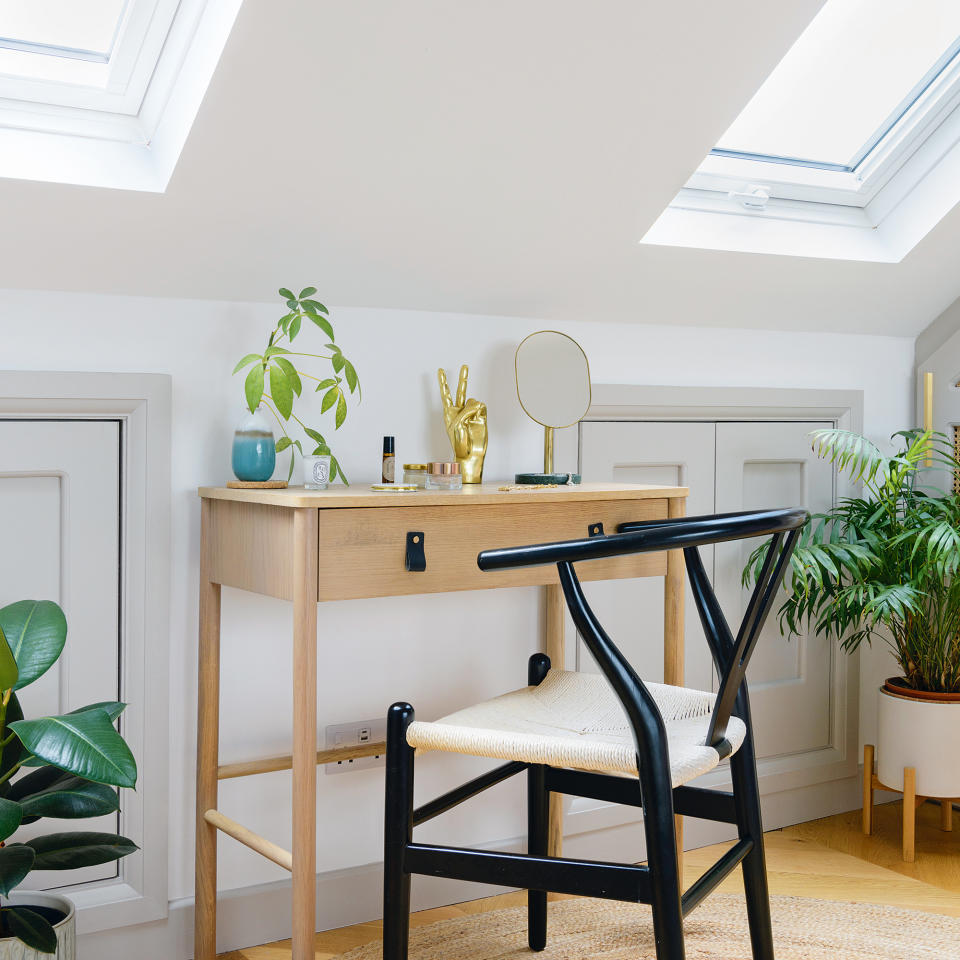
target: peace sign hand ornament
466 423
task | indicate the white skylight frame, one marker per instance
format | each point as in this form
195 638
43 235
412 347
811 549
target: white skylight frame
887 201
124 123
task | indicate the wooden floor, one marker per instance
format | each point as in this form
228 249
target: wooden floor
825 859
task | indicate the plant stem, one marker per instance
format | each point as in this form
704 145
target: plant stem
13 770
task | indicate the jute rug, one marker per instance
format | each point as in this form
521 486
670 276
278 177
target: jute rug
606 930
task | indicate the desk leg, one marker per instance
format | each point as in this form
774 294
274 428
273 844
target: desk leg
673 610
208 736
304 845
554 622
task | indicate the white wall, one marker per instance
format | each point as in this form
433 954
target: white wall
374 652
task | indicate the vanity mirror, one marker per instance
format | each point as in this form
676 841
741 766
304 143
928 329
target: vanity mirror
553 386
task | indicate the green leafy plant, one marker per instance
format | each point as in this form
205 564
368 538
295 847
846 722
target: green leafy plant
75 761
276 380
884 564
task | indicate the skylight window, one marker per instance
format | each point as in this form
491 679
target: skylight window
857 128
76 29
103 92
846 82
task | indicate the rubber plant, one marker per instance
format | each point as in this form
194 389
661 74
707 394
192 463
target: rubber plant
66 767
276 380
883 565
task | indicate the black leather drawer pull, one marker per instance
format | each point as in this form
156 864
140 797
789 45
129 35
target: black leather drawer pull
416 558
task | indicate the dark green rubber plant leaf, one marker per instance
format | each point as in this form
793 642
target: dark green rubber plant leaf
11 813
35 931
8 664
36 631
13 752
86 744
71 798
67 851
16 861
113 708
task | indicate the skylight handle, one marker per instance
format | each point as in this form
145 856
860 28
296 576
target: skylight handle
754 197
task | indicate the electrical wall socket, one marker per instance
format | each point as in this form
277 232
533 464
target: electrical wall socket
355 734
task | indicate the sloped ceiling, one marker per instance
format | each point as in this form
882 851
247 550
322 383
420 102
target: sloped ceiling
494 157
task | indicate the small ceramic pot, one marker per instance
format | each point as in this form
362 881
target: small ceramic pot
13 949
254 450
919 733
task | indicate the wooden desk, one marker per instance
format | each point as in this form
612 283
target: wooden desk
307 546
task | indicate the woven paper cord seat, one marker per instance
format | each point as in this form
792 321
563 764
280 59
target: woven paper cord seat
575 720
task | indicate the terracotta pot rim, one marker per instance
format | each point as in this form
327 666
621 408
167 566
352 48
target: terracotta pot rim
897 687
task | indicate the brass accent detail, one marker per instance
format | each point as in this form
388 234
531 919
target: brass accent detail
466 423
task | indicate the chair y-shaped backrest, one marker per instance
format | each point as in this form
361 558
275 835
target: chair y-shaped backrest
730 655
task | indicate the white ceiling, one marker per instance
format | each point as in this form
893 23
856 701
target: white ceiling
495 157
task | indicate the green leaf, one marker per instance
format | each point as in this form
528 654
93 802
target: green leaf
287 294
8 665
313 435
253 387
314 306
67 851
341 410
322 322
295 326
333 347
307 292
329 399
326 384
351 375
291 374
36 631
281 392
70 798
34 930
13 752
10 816
322 450
249 358
339 361
86 744
273 351
283 443
16 861
113 708
35 782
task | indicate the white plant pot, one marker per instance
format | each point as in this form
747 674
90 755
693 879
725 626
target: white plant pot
13 949
920 734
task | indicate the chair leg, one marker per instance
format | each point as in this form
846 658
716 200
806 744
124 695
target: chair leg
538 822
660 828
743 767
398 832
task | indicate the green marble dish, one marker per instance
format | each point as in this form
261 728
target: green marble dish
563 479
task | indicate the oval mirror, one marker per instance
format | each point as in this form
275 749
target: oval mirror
553 379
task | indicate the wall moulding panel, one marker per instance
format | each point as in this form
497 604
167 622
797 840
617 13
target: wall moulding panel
142 404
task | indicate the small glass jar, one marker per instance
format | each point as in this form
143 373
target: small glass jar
316 471
416 473
444 475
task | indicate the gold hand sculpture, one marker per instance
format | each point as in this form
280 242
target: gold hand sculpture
466 423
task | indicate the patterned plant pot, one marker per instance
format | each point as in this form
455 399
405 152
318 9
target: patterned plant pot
13 949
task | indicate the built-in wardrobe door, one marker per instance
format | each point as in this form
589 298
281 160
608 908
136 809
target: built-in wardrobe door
632 610
60 516
792 679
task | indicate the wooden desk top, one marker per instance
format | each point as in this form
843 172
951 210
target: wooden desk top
360 495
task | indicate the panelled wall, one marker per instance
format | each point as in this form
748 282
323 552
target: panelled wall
374 652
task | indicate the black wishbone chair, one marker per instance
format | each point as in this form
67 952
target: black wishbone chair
618 739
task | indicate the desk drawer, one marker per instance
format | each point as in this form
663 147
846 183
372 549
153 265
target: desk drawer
363 551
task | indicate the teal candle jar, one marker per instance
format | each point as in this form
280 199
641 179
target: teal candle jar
254 449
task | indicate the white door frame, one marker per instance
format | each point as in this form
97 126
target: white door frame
141 402
630 402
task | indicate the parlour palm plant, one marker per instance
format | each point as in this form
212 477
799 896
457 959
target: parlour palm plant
883 564
64 767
